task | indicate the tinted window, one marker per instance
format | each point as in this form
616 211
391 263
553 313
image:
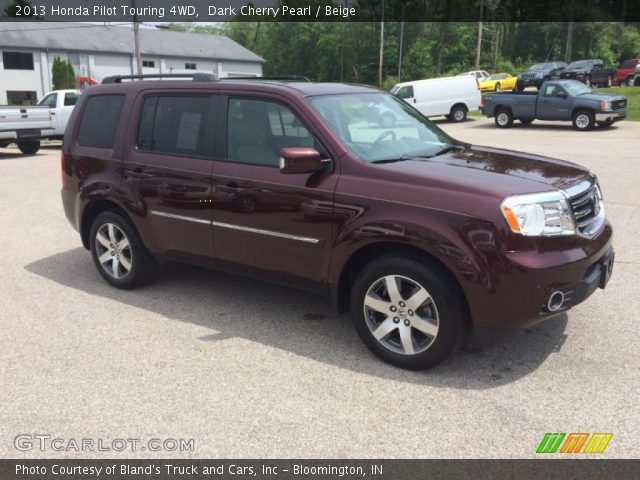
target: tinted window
174 125
149 63
49 101
100 121
17 61
71 99
190 66
257 130
629 64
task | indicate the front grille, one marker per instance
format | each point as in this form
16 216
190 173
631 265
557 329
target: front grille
619 104
588 211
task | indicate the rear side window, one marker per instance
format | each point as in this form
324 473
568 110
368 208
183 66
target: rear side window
71 99
100 121
629 64
175 125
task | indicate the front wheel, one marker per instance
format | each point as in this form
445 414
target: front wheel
519 87
503 119
118 252
458 114
29 147
498 87
583 120
408 314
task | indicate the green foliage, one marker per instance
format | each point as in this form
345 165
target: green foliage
62 74
349 51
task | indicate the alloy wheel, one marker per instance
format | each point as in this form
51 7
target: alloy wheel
401 314
582 121
113 251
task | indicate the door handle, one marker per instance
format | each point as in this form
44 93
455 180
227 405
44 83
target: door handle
414 100
136 174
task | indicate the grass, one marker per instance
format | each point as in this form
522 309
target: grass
633 99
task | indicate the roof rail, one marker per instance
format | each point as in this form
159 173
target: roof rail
282 78
196 77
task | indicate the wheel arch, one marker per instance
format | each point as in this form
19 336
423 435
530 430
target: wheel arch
91 212
362 256
459 104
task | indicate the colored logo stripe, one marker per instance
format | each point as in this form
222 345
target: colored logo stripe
550 443
598 442
574 442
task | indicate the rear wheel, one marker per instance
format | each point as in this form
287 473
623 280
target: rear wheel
407 313
504 118
498 88
29 147
583 120
458 114
118 252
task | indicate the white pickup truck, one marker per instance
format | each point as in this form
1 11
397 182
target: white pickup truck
27 125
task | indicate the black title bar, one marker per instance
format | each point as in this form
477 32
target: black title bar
321 10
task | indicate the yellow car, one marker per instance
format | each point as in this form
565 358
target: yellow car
498 82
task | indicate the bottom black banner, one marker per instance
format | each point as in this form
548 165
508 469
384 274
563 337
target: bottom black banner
165 469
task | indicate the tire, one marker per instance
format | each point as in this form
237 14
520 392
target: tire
607 123
587 81
609 81
29 147
624 83
503 118
583 120
458 114
519 87
387 120
498 88
415 339
119 238
526 121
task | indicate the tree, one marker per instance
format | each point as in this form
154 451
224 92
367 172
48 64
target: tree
62 74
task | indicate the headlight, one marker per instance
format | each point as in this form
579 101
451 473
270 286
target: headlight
539 214
605 105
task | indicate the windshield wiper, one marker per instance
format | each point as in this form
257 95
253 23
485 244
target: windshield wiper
451 148
393 160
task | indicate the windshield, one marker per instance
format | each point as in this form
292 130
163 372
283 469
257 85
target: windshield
576 88
378 126
580 64
540 66
497 76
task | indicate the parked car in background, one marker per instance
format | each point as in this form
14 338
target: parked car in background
27 125
561 100
498 82
419 235
60 103
479 74
628 74
538 74
452 97
24 126
590 72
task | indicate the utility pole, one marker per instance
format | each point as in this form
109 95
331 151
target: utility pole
404 4
479 44
136 39
567 51
381 60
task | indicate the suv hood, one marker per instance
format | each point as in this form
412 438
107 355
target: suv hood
491 171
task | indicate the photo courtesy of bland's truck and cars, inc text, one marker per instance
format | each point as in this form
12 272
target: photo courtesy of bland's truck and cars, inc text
319 239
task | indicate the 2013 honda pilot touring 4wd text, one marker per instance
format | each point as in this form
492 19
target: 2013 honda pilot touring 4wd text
420 236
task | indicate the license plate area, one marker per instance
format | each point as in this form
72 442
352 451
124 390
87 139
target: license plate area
606 268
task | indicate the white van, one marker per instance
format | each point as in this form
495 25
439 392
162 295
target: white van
452 97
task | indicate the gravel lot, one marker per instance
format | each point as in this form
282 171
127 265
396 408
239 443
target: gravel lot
248 369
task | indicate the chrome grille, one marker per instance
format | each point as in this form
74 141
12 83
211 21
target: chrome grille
588 211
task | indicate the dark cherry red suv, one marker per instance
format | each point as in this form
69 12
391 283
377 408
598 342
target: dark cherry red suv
419 235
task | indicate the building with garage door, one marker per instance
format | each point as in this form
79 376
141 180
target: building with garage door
96 51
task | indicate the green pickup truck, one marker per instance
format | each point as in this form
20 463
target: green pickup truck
561 100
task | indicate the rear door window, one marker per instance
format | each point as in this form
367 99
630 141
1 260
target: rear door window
175 125
100 120
71 98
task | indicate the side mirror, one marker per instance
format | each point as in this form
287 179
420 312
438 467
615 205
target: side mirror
562 94
300 160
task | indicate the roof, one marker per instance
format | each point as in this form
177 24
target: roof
119 39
